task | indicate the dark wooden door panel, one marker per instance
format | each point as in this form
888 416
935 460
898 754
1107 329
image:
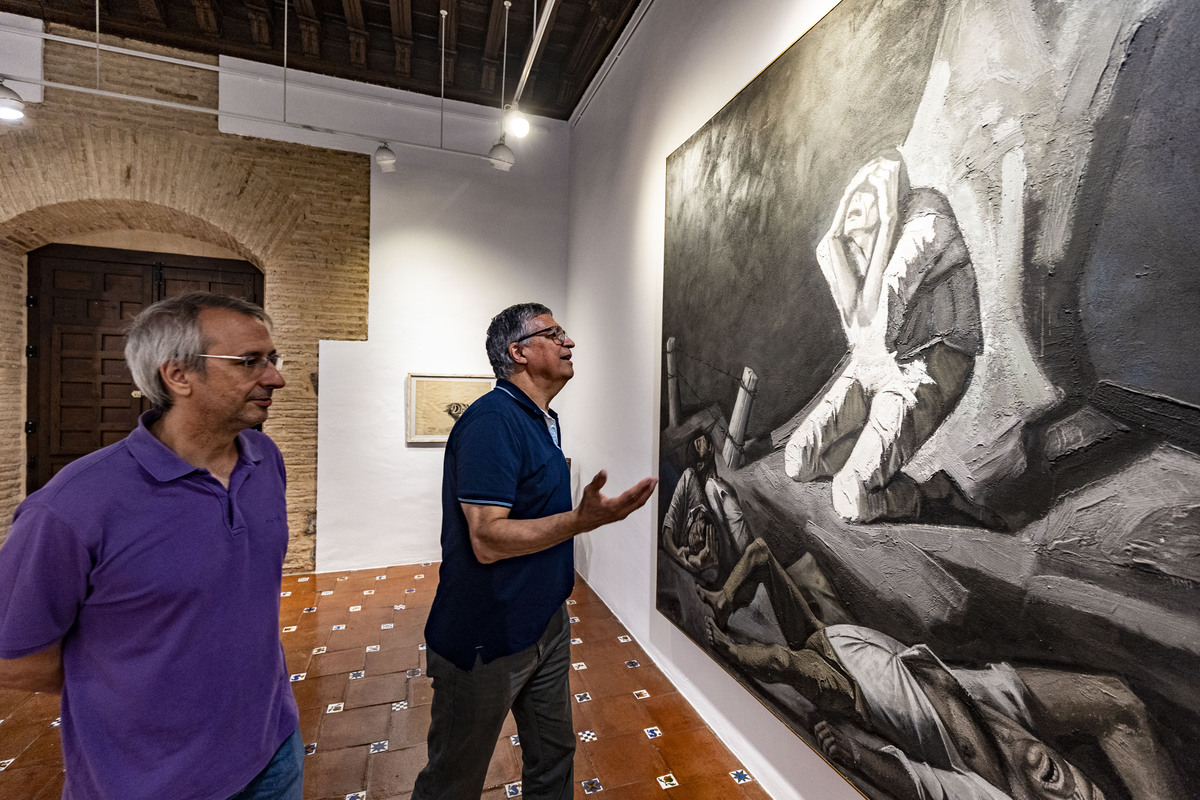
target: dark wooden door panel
81 395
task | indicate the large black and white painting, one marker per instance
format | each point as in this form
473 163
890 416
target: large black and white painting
930 440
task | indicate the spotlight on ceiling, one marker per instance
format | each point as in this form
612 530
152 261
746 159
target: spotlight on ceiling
12 107
385 158
502 155
516 123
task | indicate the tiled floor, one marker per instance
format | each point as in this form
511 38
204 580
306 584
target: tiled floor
353 644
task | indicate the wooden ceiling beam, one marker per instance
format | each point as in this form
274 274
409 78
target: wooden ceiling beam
402 35
356 31
310 27
208 18
493 46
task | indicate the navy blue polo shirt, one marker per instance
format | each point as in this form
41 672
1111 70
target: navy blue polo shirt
500 453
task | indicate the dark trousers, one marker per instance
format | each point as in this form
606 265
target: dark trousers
469 708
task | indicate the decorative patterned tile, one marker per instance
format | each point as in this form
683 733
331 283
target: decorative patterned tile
578 665
426 563
631 663
299 676
400 705
305 579
318 650
641 694
419 576
309 749
338 628
592 786
653 733
372 648
421 646
587 736
512 789
398 607
624 639
741 776
56 723
356 795
310 609
334 708
358 673
515 739
356 608
379 747
570 602
413 673
381 577
668 781
327 593
285 594
344 578
387 626
577 640
289 629
4 764
409 591
574 620
582 697
368 591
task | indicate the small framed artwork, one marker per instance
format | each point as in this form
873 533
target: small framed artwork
435 402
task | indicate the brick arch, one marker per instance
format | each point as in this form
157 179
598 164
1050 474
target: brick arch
79 165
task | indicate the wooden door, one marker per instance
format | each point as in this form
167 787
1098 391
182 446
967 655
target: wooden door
81 395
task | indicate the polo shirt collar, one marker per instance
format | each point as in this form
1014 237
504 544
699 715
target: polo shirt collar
163 463
523 399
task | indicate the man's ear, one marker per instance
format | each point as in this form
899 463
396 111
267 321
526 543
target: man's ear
177 379
514 352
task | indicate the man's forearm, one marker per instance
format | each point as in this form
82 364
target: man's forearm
501 537
39 672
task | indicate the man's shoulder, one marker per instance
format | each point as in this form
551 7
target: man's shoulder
86 474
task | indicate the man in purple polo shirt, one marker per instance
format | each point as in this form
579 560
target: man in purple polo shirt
142 582
498 632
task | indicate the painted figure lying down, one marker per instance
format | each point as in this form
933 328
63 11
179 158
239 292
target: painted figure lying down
966 734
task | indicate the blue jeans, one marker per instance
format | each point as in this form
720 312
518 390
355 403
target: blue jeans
469 707
283 777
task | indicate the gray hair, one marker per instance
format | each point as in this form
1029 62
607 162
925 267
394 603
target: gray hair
506 327
170 331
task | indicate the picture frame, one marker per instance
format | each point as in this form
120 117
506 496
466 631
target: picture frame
434 403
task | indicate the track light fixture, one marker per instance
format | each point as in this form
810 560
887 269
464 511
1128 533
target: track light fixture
502 155
385 158
12 107
515 123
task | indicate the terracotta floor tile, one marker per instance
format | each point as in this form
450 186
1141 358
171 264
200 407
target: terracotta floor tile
624 759
334 662
46 749
392 659
38 708
394 772
614 716
505 766
672 713
320 691
21 782
409 726
376 689
11 700
354 727
695 754
52 790
335 773
310 723
420 691
16 737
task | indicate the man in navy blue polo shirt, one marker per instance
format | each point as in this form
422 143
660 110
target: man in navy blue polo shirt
497 635
142 581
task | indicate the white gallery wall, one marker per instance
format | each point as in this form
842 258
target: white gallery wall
453 241
684 61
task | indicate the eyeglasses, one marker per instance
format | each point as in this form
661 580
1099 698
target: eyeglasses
252 363
554 332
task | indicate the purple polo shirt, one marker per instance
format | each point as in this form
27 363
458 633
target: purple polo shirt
164 589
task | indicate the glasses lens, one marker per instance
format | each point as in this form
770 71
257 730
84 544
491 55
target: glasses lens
275 360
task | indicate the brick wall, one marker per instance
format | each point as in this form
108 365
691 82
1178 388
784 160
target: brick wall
81 164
